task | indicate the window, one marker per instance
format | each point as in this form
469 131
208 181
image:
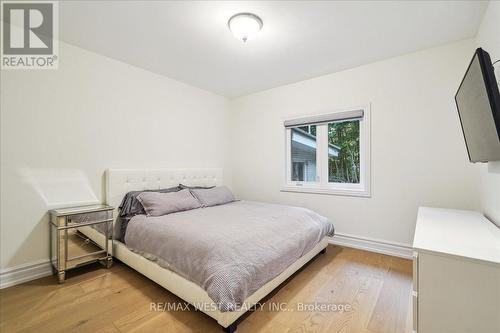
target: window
343 152
298 171
329 153
303 153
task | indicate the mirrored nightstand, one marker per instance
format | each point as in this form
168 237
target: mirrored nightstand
69 247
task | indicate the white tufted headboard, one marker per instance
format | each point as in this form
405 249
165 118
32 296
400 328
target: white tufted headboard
121 181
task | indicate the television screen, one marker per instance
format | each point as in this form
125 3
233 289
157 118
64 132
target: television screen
478 103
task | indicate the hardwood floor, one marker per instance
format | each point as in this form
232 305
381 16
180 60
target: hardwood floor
95 299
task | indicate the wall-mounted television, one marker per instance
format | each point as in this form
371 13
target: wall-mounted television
478 103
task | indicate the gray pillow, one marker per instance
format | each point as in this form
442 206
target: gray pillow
182 186
214 196
130 207
157 204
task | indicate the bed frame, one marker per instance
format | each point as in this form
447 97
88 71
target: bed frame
121 181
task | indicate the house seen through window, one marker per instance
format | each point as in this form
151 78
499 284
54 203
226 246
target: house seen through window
304 153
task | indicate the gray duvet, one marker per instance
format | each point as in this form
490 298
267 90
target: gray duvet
230 250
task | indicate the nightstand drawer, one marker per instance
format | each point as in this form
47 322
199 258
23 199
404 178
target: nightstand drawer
80 249
88 218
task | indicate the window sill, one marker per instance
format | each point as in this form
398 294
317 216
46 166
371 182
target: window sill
328 191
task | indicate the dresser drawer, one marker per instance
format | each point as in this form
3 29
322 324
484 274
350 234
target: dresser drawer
414 301
415 271
415 290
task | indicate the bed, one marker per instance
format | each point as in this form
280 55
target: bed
120 181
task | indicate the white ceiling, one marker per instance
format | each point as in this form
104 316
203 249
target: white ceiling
190 42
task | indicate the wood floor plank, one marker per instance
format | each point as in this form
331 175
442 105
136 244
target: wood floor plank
94 299
390 313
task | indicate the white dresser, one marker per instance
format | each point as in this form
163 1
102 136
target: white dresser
456 272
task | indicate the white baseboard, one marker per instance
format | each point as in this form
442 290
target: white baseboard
373 245
23 273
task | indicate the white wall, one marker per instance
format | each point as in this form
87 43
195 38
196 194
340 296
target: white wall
418 152
488 38
60 129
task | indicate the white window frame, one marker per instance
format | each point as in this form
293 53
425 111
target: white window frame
322 185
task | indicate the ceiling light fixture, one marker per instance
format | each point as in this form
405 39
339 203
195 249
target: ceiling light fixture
245 25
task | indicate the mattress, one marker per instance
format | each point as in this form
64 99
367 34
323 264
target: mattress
230 250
